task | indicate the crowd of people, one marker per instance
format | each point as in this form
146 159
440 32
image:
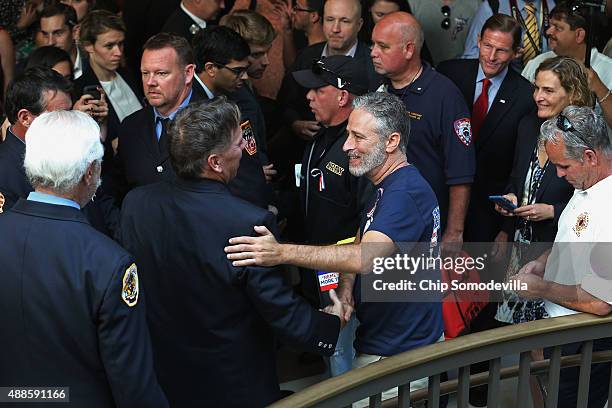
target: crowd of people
145 223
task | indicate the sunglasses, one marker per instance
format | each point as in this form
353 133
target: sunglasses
564 124
238 71
318 68
446 12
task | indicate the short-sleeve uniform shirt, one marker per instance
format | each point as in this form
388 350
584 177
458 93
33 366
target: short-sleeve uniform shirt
404 209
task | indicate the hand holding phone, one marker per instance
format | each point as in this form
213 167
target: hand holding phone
503 202
93 91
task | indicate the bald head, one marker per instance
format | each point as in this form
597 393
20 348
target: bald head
341 24
408 27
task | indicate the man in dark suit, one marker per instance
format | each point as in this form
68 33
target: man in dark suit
192 16
31 93
212 324
72 311
57 27
495 117
341 24
167 73
499 97
221 57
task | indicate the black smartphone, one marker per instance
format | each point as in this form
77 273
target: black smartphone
93 91
503 202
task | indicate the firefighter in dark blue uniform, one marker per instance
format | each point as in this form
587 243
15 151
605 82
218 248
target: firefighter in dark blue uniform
212 325
331 198
440 143
72 311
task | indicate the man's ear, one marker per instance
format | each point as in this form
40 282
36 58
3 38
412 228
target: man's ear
189 73
393 142
409 49
215 163
88 177
25 117
344 99
210 69
580 35
591 158
75 33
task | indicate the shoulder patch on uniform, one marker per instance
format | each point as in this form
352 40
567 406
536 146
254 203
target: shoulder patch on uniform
463 130
130 290
1 203
249 137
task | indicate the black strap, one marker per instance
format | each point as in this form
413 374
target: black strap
516 13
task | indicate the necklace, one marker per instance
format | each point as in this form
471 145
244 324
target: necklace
415 76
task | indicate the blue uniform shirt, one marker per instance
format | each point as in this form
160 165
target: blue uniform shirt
156 114
405 210
440 142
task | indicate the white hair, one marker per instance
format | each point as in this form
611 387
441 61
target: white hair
60 146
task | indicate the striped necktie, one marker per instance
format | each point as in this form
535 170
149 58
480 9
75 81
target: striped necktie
530 48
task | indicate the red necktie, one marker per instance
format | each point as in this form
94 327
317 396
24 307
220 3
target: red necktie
480 108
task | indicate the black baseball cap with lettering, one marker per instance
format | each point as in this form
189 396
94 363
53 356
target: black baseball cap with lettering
339 71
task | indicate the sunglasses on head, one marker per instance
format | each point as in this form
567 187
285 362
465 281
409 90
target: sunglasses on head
446 12
564 124
318 67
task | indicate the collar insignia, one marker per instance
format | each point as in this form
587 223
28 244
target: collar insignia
194 29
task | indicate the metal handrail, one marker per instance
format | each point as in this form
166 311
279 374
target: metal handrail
459 353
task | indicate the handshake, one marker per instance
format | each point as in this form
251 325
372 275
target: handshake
342 307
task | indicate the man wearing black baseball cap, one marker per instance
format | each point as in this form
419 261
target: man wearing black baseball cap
331 198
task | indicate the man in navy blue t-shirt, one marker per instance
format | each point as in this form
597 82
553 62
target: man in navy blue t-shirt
405 210
441 144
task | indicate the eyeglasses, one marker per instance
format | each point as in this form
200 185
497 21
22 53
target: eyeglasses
318 68
446 12
564 124
238 71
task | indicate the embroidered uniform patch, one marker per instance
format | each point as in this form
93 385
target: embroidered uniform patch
249 137
582 222
130 290
463 130
1 203
334 168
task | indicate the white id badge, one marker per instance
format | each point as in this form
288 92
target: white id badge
298 174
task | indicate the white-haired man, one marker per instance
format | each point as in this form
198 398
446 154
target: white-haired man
575 275
72 312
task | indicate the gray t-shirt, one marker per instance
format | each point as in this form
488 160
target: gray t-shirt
443 43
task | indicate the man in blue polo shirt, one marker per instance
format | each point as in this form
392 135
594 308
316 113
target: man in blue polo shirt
404 210
440 144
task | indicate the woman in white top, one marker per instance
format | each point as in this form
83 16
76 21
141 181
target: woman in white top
102 36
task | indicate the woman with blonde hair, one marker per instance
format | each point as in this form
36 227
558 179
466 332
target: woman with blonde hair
534 187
